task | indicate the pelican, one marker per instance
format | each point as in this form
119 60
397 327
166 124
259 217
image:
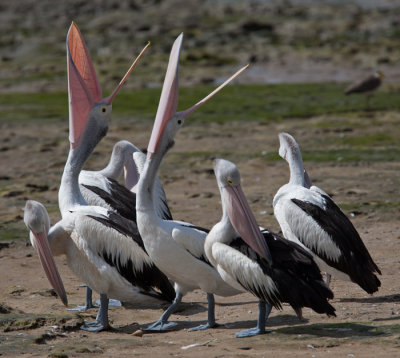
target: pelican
310 218
92 183
177 248
102 248
271 268
101 188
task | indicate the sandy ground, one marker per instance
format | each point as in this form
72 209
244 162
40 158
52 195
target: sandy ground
297 41
35 323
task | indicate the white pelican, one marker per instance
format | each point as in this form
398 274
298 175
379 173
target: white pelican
102 248
177 248
101 188
309 217
273 269
106 180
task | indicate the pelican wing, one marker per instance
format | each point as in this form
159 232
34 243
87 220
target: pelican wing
192 239
117 241
249 269
293 277
117 197
327 232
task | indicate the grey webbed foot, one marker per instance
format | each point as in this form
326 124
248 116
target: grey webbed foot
160 326
251 332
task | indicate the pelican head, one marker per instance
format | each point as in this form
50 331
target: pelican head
37 220
288 146
87 107
237 208
166 111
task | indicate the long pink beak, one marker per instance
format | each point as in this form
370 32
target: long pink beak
83 85
169 97
159 126
244 222
49 266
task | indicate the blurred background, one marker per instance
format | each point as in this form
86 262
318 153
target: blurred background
286 41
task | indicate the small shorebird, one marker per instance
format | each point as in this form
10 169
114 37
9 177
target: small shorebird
367 85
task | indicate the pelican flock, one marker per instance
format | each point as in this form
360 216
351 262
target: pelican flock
122 242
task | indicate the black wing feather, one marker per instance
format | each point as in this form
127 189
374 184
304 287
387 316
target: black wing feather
293 271
122 200
355 259
150 278
122 225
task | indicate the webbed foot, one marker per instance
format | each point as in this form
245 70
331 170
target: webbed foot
160 326
251 332
203 327
94 326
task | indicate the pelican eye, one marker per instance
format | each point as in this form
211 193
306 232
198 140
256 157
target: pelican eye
229 181
104 109
179 121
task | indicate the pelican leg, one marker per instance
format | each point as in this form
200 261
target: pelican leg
211 315
111 302
101 323
162 324
263 313
268 309
88 301
327 279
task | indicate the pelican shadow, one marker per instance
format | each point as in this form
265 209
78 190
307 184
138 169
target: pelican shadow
373 299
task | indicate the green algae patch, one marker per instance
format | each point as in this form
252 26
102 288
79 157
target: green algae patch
262 103
28 321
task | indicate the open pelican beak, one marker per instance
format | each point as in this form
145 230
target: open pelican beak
244 222
169 97
83 85
49 266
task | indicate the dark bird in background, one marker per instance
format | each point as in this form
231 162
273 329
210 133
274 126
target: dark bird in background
367 85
